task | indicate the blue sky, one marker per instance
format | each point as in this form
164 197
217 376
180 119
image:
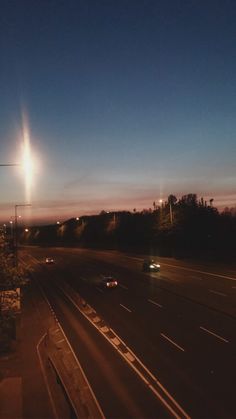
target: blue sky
126 101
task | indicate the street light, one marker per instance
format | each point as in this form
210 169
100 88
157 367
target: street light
10 164
170 209
16 232
11 222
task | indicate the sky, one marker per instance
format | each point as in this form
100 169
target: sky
123 103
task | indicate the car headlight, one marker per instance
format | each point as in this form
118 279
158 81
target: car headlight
152 266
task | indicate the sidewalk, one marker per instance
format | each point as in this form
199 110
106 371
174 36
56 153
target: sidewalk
11 384
35 398
23 393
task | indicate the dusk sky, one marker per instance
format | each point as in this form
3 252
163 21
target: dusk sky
126 101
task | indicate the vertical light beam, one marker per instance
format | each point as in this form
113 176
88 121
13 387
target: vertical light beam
27 161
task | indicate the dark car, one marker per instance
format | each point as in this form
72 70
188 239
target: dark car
150 265
109 282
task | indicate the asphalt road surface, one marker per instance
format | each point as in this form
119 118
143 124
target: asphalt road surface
180 322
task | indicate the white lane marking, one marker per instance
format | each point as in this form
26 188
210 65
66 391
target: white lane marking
99 289
214 334
173 343
131 257
115 341
45 376
96 319
61 340
130 311
129 356
104 329
218 293
191 270
233 287
83 279
155 303
184 414
158 383
123 286
76 359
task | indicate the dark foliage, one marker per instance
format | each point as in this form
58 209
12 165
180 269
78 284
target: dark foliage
184 227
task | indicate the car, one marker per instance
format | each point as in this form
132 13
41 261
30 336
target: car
150 265
49 260
109 282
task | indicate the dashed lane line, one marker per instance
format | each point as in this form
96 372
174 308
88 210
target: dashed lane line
155 303
214 334
169 402
115 341
61 340
190 269
173 343
218 293
126 308
99 289
45 377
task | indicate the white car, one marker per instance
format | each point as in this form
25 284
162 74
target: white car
49 260
149 265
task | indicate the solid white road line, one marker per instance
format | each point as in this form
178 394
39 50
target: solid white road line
130 311
214 334
45 376
123 286
173 343
75 357
218 293
183 414
155 303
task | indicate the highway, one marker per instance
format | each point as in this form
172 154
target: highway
179 322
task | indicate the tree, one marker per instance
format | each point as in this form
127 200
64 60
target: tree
189 199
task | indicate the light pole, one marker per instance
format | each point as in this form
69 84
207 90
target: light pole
16 232
11 222
10 164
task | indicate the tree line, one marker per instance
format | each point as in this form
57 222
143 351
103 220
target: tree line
185 227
